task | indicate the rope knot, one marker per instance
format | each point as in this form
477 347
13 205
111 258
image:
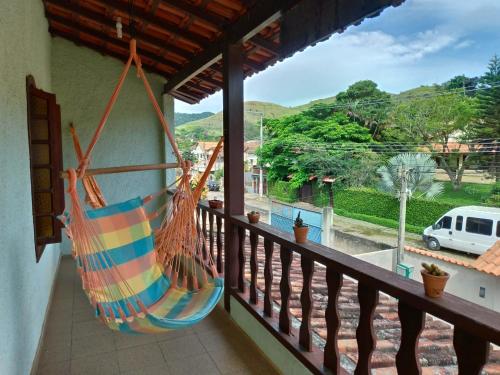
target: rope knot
84 164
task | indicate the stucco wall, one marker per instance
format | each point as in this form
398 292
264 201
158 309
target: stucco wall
24 285
83 81
463 282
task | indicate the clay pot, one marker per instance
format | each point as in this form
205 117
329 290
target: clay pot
300 234
253 218
434 285
215 203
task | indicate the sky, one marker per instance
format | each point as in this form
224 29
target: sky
418 43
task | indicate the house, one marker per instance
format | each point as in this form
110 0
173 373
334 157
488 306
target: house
60 63
203 152
250 155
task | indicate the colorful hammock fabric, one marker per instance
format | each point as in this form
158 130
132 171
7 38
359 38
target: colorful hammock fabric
136 279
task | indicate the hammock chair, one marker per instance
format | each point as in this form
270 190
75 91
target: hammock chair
139 280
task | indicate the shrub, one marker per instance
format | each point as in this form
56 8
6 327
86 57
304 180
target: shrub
419 212
282 191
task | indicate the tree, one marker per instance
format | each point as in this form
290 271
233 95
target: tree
366 104
420 169
488 129
310 144
435 120
466 84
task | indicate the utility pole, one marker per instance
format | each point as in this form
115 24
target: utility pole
261 170
403 194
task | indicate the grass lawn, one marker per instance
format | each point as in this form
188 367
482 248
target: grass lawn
469 194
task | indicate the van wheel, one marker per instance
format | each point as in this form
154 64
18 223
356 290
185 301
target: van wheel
433 244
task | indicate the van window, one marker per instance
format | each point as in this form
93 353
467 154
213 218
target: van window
479 226
498 228
458 225
444 223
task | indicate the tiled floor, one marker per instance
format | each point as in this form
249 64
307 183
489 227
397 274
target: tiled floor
77 343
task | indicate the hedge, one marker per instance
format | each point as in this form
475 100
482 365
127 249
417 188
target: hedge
282 191
419 212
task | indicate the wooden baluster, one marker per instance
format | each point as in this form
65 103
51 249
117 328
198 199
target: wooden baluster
334 281
285 289
218 221
268 277
365 335
412 322
305 333
472 352
254 266
241 259
204 232
211 234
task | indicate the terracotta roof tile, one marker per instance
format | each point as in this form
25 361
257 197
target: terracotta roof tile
434 255
489 262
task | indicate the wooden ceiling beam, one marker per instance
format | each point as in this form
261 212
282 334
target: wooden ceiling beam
265 44
142 16
197 12
180 96
104 51
110 23
110 40
183 91
256 18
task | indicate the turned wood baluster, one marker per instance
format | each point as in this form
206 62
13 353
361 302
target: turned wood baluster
472 351
285 289
334 281
204 232
305 332
268 277
412 322
218 221
254 266
211 233
241 259
365 335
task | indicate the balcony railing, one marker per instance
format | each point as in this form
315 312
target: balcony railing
474 327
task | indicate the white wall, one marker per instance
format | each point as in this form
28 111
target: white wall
83 81
464 282
24 284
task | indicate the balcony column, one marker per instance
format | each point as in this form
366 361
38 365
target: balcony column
233 159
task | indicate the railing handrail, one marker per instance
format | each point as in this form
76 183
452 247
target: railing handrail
475 319
216 211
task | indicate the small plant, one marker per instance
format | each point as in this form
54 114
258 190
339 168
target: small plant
299 223
253 217
433 270
254 213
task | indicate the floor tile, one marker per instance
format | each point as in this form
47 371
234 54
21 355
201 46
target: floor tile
89 345
89 328
140 357
123 340
150 370
181 348
55 368
175 334
197 364
101 364
218 340
57 352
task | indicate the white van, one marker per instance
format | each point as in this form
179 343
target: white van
471 229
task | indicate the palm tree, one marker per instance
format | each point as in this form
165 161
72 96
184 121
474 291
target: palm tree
420 168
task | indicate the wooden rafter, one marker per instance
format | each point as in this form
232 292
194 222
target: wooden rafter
202 15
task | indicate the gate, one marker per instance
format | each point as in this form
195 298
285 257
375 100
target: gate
283 217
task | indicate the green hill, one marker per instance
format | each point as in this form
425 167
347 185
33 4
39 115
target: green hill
210 128
182 118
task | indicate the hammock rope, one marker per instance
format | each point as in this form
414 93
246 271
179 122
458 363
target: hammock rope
138 279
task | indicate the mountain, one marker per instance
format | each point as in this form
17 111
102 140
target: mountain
210 128
182 118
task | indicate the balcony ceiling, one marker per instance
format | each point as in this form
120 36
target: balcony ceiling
182 40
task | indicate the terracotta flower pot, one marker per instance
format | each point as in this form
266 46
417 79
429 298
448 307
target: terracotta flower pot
434 285
253 218
300 234
215 203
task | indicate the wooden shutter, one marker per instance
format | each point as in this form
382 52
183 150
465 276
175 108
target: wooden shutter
47 188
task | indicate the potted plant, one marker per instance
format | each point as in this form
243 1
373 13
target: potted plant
253 217
434 280
300 230
215 203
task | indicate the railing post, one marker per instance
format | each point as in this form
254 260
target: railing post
305 332
241 259
211 235
412 322
472 352
268 277
365 335
218 221
285 289
334 281
254 266
232 61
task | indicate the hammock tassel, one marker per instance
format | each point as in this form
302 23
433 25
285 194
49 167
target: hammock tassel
195 283
122 314
184 282
131 309
112 315
142 307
